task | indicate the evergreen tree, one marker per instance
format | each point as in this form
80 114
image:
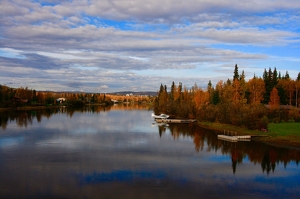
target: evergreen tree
287 76
274 77
267 77
210 90
243 85
236 72
228 82
279 75
270 76
298 78
215 97
173 90
209 85
282 95
271 80
242 76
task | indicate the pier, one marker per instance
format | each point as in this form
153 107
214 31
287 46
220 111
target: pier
235 138
174 120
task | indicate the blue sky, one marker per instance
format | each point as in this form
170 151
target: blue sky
117 45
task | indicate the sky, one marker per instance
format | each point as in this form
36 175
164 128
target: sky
105 46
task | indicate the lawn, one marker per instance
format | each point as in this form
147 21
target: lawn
283 129
280 134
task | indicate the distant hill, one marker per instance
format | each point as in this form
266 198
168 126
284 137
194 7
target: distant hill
151 93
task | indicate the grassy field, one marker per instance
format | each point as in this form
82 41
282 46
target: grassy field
279 134
283 129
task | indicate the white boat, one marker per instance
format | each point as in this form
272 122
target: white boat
161 116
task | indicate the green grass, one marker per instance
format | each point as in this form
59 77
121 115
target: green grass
227 127
284 129
279 134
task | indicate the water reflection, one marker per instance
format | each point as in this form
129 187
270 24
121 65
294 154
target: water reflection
268 156
120 152
23 118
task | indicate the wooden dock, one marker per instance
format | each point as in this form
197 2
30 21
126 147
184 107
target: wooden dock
235 138
174 120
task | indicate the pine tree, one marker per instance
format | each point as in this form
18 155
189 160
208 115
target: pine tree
287 76
210 90
279 75
173 89
274 77
236 72
267 77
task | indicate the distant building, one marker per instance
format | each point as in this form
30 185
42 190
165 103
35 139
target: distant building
61 100
114 101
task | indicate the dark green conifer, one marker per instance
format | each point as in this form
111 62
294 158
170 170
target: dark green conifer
236 72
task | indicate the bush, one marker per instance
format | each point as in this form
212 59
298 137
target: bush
77 103
264 123
294 115
276 120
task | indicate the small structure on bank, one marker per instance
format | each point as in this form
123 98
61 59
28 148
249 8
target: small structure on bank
60 100
18 99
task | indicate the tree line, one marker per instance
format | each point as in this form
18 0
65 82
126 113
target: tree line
12 97
252 104
16 97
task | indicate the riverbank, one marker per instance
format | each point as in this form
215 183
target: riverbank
280 134
28 108
48 106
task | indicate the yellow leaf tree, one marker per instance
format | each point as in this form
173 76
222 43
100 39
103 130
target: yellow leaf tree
274 99
256 87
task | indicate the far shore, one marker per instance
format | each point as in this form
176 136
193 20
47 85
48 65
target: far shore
45 107
273 137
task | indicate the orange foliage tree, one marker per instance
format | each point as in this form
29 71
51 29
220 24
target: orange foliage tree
274 99
256 88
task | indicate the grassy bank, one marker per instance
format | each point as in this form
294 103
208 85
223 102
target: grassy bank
279 134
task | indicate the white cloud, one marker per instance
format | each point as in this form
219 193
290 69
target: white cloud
80 40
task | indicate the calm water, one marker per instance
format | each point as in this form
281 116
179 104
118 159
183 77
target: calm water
121 153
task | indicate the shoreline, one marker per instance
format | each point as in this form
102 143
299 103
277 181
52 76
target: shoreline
44 107
270 138
28 108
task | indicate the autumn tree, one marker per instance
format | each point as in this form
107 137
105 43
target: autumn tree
210 90
297 84
274 99
236 90
162 99
200 97
270 78
287 88
225 91
256 88
178 92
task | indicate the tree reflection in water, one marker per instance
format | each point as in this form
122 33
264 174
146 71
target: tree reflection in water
257 153
24 118
266 155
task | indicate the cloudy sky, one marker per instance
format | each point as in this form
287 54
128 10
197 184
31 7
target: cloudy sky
117 45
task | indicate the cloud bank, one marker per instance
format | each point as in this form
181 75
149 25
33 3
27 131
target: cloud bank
113 45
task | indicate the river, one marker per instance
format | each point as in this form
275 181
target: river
120 152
